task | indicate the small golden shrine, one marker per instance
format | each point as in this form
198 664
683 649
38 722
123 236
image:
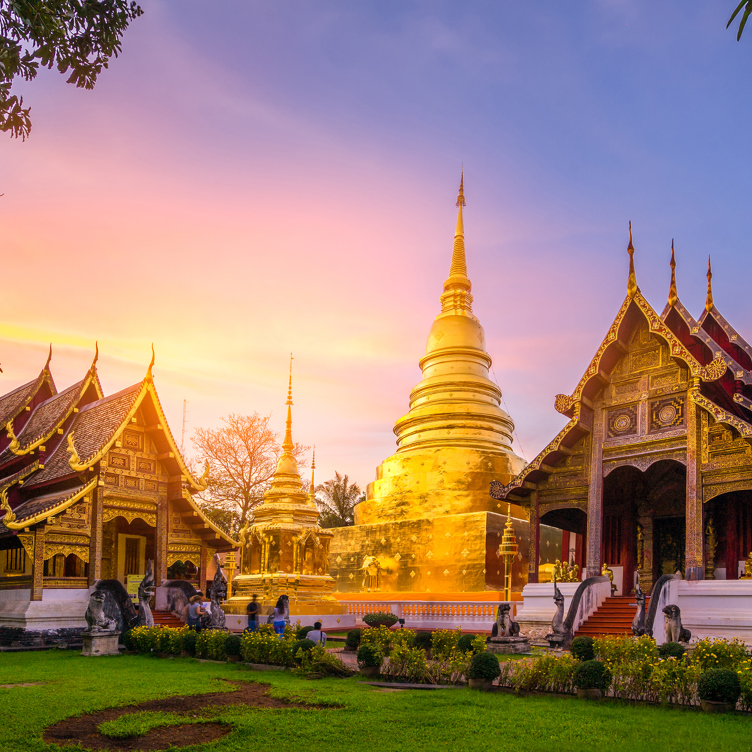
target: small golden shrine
507 552
283 551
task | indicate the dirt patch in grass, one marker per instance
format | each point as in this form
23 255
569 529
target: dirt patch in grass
83 730
21 684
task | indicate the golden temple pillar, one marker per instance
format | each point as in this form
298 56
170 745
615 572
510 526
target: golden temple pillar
203 567
37 572
534 543
95 540
595 499
160 543
694 568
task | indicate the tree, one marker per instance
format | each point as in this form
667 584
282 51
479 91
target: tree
241 457
747 5
78 36
337 499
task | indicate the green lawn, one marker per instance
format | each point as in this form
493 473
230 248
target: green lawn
368 719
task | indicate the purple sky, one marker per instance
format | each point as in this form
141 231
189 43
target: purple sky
251 178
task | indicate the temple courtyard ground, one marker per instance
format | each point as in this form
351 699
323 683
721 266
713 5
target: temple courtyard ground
42 691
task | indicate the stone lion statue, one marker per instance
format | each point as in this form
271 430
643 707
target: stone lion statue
505 625
95 616
675 632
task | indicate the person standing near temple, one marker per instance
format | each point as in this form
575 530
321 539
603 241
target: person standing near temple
195 612
253 610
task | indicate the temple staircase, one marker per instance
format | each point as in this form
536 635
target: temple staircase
166 619
613 617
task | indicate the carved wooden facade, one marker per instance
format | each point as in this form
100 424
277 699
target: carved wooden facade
92 486
655 463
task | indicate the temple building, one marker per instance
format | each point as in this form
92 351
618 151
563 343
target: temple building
428 523
283 551
654 467
91 487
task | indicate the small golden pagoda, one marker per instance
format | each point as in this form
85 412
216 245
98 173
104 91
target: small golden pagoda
428 517
283 551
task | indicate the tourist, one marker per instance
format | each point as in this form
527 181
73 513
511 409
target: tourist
278 618
316 635
195 612
253 609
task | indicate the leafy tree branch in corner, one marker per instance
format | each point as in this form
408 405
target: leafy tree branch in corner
78 37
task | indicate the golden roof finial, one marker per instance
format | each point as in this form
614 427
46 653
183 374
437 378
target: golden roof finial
149 374
96 353
311 490
456 296
672 296
632 282
709 298
49 358
287 444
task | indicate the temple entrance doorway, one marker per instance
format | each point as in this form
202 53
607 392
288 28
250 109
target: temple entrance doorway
573 525
644 523
126 547
728 534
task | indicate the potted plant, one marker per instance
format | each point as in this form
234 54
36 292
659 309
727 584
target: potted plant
484 668
370 658
188 647
352 642
592 679
718 689
672 650
583 648
423 642
233 645
380 618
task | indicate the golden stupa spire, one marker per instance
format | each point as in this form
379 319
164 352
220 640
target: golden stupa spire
456 295
709 298
287 444
672 296
311 490
632 282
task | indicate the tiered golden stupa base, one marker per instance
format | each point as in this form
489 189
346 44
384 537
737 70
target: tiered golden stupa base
443 555
310 597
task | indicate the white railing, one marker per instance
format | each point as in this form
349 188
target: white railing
475 615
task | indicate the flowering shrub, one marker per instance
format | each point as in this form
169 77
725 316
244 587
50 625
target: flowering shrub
406 664
673 680
720 653
264 646
444 642
403 638
379 636
546 673
719 685
613 649
744 672
370 656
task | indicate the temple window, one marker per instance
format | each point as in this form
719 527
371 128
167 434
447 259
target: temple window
15 560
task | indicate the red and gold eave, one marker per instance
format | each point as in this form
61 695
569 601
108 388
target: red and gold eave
718 359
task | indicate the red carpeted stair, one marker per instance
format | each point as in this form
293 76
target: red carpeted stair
166 619
614 616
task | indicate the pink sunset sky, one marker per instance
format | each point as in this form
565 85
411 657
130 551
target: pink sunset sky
250 179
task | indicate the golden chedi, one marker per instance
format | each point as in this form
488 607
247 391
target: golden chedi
428 517
283 551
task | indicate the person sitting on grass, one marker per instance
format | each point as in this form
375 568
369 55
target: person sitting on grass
316 635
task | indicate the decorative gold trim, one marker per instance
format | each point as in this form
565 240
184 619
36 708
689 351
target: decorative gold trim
53 549
721 416
61 507
27 541
110 513
192 556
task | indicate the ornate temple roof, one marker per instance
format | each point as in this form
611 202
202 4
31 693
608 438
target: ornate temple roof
717 365
15 402
82 426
